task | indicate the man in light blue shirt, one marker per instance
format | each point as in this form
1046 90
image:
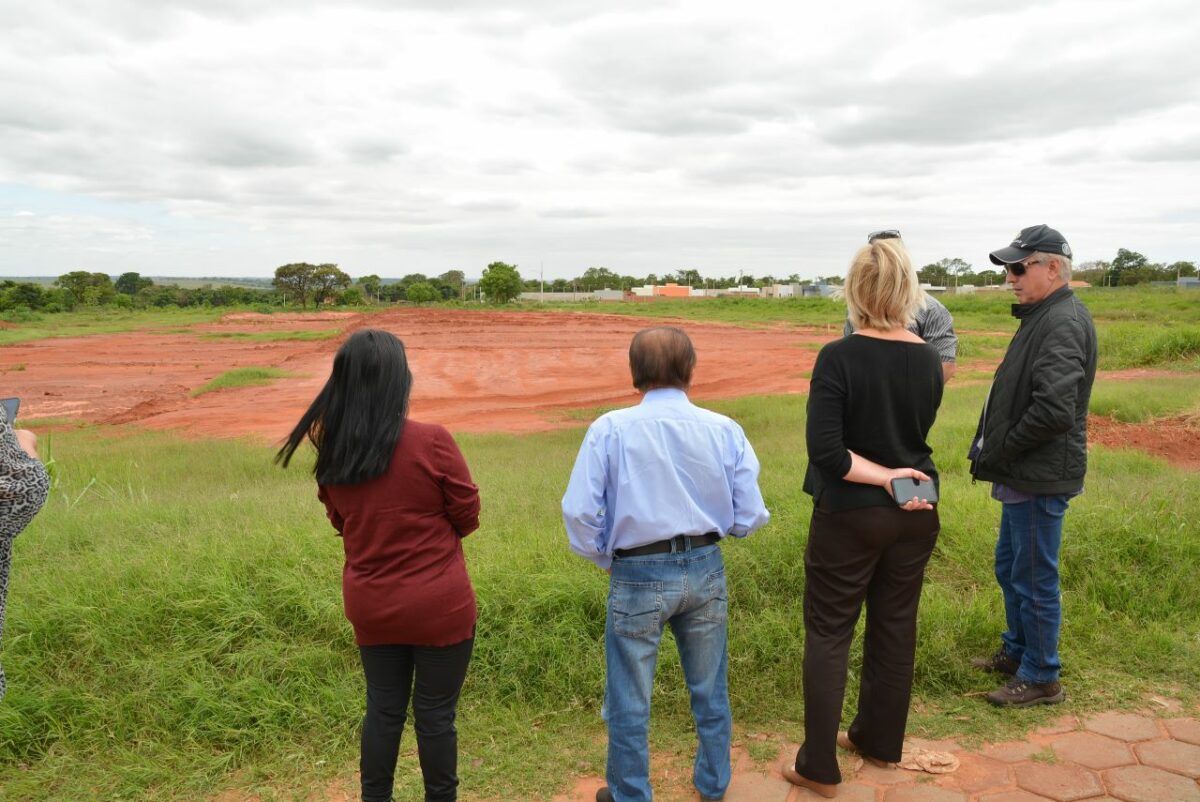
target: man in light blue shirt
654 488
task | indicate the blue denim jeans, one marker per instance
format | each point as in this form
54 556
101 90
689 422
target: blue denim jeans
1027 570
685 590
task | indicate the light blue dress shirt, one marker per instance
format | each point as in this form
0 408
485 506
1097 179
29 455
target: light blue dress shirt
663 468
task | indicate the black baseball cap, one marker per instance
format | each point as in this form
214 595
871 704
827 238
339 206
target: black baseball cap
1031 240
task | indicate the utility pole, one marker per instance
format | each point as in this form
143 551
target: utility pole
542 282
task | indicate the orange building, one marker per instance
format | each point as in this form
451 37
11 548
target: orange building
672 291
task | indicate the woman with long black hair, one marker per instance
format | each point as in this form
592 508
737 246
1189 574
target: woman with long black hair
400 495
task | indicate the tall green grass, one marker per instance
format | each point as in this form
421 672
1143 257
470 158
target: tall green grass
175 620
105 321
1146 399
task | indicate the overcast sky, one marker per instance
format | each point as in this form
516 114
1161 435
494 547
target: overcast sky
228 137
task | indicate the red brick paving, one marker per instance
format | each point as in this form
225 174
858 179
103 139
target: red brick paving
1124 726
1184 729
1173 756
1146 784
1092 750
1061 782
1112 756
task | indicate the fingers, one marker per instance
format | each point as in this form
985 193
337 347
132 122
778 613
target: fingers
914 504
915 474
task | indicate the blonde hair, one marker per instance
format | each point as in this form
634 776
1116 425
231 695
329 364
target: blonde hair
882 289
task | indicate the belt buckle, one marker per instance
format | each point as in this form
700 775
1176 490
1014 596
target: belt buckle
680 543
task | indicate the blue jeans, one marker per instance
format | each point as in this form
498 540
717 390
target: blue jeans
1027 570
687 591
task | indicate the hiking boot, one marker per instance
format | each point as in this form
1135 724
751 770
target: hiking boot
998 663
1019 693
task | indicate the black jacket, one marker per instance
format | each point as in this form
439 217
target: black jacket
1034 425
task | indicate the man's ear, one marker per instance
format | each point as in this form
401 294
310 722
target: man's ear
1056 263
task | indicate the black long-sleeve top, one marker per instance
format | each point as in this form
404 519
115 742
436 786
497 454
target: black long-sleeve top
877 398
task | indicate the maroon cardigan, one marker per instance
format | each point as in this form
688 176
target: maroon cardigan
405 577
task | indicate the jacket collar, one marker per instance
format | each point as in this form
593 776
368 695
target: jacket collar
1028 310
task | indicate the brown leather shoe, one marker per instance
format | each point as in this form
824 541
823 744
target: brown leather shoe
1019 693
999 663
827 790
843 740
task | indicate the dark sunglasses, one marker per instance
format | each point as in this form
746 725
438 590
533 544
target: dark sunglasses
1018 268
890 233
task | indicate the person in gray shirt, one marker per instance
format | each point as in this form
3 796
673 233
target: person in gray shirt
932 322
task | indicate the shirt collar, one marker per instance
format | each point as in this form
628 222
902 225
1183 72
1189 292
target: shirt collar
661 394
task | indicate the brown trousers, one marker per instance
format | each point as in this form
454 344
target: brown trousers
877 555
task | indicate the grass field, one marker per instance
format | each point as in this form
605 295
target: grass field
175 622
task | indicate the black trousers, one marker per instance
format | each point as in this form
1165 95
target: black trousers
877 555
439 672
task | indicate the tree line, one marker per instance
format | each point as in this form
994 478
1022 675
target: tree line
304 284
1126 269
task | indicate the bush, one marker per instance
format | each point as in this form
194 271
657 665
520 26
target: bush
20 314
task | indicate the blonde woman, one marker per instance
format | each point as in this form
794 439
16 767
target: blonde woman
873 399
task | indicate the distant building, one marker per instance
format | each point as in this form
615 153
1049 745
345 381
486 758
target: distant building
672 290
740 291
782 291
819 290
1188 282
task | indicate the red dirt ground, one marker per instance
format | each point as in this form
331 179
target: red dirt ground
474 370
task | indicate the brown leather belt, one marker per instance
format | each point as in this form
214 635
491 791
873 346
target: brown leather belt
677 543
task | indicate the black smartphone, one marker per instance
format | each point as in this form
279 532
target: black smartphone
11 405
905 489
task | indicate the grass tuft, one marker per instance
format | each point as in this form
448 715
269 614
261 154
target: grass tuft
241 377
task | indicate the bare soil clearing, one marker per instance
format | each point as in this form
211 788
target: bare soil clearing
474 370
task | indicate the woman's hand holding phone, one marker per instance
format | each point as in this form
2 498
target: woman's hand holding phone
912 489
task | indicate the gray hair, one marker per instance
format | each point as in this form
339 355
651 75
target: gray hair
1064 263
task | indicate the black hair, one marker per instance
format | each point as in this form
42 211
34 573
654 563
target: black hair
356 420
661 357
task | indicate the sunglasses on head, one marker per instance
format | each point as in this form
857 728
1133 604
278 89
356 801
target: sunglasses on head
890 233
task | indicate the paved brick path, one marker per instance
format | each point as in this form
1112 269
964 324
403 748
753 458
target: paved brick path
1125 756
1111 756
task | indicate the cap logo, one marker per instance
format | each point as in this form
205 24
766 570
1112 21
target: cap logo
1066 249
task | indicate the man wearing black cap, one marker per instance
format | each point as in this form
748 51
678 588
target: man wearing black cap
1032 445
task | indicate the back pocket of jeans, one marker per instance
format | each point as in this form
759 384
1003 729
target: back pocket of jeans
716 609
636 607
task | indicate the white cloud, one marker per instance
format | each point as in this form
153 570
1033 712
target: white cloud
396 137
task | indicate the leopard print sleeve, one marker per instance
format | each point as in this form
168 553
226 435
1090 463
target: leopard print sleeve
24 484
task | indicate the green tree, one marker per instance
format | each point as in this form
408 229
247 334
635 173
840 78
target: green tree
500 282
87 288
1178 269
326 279
455 279
371 285
130 283
598 278
1127 267
689 277
295 281
422 292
